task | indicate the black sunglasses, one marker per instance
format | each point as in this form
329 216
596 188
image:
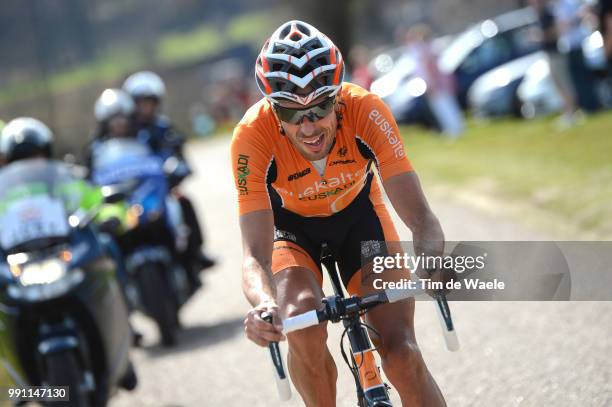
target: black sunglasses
313 113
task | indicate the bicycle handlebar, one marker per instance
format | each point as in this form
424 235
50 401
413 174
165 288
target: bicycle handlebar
301 321
348 306
280 375
337 308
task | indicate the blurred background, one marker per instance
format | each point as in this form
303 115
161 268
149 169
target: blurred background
437 64
58 55
507 143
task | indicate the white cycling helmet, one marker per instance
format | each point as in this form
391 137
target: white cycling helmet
298 63
25 137
112 102
145 84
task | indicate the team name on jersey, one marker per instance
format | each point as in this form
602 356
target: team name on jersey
323 185
387 129
243 173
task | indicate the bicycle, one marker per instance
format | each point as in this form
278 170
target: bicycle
372 391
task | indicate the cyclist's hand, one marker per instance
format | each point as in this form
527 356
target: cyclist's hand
260 331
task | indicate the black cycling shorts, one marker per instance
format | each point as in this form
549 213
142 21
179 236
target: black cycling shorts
355 232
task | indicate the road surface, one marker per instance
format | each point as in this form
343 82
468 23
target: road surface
513 353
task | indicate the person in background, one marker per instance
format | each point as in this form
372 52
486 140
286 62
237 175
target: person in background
571 29
360 73
27 138
148 90
113 112
558 62
440 87
2 124
605 27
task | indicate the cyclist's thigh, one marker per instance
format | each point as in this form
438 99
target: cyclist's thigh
297 291
392 321
297 277
373 235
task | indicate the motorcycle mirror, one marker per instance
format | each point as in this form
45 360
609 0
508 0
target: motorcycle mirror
171 165
113 194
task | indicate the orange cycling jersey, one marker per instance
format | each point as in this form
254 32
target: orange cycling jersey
269 171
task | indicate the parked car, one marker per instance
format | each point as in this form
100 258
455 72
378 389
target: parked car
477 50
488 45
525 87
495 92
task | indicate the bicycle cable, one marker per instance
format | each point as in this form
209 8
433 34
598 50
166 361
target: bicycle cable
355 370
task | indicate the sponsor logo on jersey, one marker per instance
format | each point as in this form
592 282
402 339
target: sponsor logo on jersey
341 162
327 193
299 174
243 173
326 187
333 183
387 129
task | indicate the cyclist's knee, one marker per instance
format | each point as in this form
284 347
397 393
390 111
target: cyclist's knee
309 342
403 358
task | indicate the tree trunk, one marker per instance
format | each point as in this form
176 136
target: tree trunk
333 18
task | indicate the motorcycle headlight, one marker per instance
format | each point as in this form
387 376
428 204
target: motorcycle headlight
44 272
43 280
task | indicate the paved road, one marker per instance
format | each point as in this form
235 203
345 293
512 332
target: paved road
513 354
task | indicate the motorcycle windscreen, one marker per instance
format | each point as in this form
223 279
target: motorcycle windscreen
34 197
118 161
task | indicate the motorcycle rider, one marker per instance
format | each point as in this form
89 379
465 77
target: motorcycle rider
26 138
114 112
148 90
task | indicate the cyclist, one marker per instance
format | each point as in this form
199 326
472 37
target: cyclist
148 90
303 159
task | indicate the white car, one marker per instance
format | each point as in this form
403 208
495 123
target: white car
538 94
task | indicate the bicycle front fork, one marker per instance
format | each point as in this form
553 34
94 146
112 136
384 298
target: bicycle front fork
371 389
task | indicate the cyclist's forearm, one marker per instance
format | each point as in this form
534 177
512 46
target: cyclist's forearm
405 193
257 283
428 237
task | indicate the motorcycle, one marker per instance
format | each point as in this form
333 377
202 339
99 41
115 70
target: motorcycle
64 319
155 236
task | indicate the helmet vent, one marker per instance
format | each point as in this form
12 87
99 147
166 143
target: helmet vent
303 29
313 44
285 31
